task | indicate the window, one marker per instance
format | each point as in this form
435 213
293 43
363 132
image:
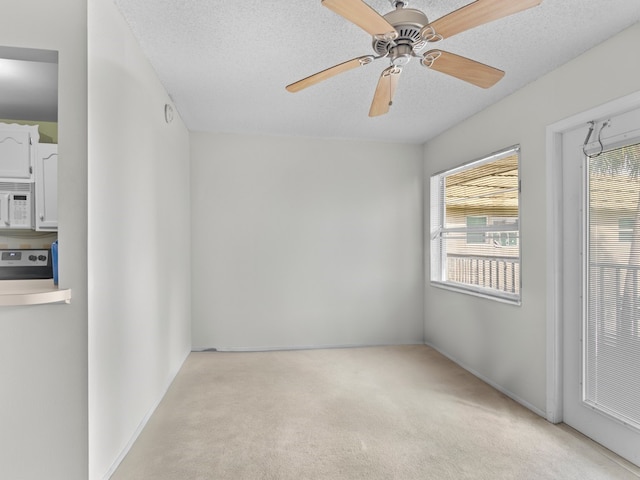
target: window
475 227
625 229
476 237
505 239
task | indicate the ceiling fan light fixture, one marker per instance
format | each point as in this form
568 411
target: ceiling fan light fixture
408 24
402 33
400 55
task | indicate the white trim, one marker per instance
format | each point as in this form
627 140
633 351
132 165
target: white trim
500 154
614 107
495 295
554 276
426 245
554 240
297 347
498 387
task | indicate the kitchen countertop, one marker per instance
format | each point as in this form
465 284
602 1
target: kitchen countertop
32 292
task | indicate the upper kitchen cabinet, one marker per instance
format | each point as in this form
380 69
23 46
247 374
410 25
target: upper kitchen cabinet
46 186
17 151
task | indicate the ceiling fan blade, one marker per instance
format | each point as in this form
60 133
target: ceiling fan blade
358 12
385 91
463 68
329 72
473 15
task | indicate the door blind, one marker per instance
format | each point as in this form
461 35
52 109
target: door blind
611 377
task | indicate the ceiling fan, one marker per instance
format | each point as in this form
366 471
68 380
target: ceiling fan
402 33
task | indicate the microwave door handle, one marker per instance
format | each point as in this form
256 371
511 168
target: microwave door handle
4 208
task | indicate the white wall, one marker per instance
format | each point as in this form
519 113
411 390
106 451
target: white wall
139 281
506 344
303 242
43 349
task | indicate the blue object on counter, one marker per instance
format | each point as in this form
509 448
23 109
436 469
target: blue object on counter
54 261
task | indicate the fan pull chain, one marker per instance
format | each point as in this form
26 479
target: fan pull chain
394 71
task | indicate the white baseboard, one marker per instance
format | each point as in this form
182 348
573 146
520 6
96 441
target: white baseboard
145 420
296 347
486 380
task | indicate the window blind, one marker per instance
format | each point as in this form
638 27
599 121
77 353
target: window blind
611 377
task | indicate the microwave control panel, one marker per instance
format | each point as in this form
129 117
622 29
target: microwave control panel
16 205
21 211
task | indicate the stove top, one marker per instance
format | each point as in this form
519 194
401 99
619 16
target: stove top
24 264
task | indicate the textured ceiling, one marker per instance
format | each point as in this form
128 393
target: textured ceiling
226 63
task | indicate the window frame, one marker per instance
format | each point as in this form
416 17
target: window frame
438 254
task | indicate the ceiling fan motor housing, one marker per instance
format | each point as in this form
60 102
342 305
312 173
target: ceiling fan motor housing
408 22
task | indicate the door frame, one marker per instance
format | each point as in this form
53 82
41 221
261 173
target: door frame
554 134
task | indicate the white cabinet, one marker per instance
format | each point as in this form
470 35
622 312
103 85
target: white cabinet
17 151
24 162
46 183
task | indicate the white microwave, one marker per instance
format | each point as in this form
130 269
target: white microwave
16 205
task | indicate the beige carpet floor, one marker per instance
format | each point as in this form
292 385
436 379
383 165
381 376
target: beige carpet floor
402 412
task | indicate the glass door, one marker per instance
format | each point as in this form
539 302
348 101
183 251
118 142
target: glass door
601 243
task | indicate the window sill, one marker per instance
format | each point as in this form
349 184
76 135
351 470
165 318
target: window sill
477 293
32 292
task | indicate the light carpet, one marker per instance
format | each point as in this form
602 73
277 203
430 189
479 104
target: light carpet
399 412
